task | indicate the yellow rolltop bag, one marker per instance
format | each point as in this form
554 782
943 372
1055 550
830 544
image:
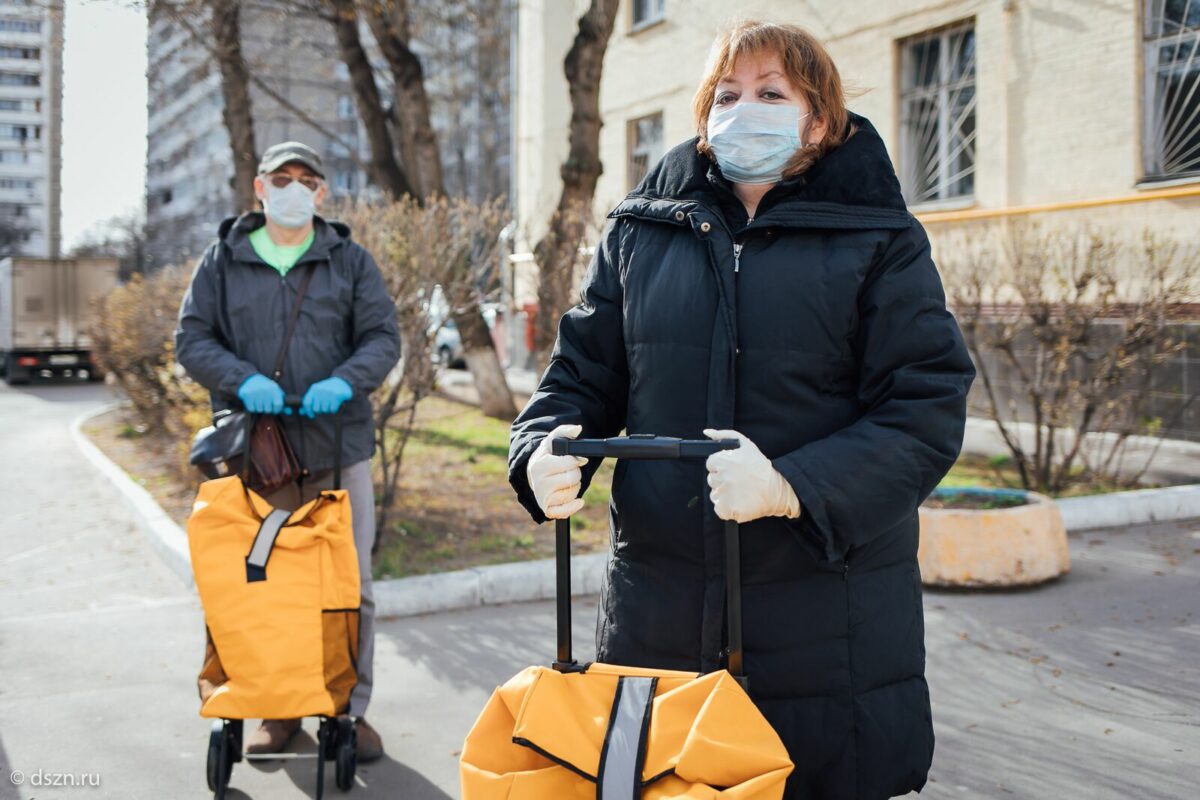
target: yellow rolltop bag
281 600
606 732
552 734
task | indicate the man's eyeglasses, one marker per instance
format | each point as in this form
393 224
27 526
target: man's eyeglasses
281 181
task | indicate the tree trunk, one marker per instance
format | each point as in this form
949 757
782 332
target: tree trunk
388 20
385 169
225 23
557 252
495 398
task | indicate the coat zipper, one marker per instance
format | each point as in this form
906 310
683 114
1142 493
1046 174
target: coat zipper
737 250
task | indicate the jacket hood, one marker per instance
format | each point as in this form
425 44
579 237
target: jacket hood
852 186
235 232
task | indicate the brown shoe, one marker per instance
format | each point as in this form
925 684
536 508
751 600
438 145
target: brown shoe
271 735
369 745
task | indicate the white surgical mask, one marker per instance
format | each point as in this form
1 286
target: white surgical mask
292 206
754 141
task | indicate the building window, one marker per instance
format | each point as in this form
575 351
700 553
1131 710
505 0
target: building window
343 181
21 25
645 146
20 133
20 105
648 12
345 107
937 116
26 53
19 79
1172 92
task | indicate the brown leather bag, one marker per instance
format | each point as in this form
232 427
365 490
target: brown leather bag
273 462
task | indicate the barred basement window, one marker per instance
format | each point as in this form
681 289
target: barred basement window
1171 140
645 146
937 117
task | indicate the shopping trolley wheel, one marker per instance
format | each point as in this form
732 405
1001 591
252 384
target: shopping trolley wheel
224 747
328 738
347 753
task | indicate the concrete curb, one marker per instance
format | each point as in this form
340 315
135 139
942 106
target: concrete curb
167 538
534 580
497 584
1138 507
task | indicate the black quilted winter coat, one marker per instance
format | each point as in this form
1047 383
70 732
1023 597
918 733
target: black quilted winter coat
819 330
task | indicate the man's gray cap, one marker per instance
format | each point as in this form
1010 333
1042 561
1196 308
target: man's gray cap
286 152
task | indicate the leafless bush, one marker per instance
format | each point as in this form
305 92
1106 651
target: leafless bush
132 329
448 245
1079 318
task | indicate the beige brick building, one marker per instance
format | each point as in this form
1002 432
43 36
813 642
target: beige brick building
991 109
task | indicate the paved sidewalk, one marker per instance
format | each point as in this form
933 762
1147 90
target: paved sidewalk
1084 688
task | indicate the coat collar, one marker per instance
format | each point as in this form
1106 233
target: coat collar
852 187
235 232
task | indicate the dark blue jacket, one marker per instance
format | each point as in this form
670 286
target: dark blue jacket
235 313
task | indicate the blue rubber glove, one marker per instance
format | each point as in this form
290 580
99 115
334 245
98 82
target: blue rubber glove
261 395
325 397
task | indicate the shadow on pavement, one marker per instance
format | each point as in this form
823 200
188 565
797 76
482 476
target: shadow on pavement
385 778
7 789
485 647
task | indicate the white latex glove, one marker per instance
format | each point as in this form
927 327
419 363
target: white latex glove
555 480
745 484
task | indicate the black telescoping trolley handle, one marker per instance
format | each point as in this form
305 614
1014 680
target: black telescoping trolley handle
294 401
644 447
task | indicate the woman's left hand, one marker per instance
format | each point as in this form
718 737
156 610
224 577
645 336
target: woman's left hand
745 485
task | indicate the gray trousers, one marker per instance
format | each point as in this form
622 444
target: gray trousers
356 479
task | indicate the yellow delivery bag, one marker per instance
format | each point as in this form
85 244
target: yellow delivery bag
606 732
617 732
281 596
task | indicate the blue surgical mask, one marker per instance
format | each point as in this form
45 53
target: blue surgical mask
292 206
754 141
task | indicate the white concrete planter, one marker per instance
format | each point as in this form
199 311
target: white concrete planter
1014 546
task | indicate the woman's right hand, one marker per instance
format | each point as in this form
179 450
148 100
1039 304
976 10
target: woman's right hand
555 480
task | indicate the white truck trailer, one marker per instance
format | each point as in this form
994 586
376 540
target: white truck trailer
44 306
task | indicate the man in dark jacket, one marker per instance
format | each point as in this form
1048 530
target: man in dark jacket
345 342
817 333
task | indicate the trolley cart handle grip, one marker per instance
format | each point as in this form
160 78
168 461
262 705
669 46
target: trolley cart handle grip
645 447
640 446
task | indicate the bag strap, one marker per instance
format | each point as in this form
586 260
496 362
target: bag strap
264 543
644 446
295 316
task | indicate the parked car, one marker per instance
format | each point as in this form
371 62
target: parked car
447 346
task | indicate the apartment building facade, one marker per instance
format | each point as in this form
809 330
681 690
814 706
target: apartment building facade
31 75
991 109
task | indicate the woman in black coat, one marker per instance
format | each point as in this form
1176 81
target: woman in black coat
766 282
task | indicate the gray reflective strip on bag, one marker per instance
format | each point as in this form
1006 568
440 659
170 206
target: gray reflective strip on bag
620 770
260 551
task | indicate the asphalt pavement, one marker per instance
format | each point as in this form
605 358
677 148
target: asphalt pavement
1084 688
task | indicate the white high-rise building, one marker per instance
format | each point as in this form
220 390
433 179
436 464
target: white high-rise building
31 42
